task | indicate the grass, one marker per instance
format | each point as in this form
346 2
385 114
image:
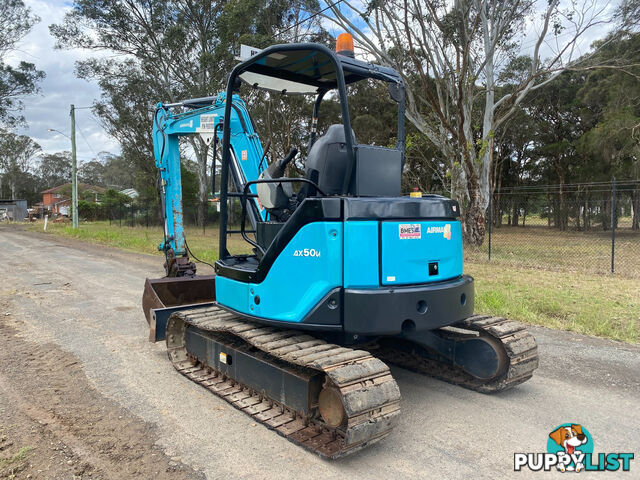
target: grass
14 464
605 306
561 292
145 239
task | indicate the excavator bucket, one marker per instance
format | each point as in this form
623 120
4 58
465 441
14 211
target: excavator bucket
164 296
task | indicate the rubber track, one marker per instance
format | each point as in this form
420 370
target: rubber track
519 346
370 395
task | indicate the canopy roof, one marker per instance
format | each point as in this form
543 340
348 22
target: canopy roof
307 69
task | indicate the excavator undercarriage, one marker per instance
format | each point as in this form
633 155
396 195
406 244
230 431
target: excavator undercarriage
330 399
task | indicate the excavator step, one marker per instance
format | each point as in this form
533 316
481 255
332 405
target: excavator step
329 399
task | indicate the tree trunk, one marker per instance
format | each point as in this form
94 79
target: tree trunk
474 222
563 208
635 209
605 214
203 185
578 212
496 215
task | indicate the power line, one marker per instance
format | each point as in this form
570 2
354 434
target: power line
86 141
562 192
579 184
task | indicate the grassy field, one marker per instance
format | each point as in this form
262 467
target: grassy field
145 239
601 305
580 301
570 251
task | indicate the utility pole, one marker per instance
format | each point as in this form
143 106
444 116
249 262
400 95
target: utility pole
74 169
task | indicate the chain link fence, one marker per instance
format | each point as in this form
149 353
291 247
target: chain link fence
582 227
585 227
149 214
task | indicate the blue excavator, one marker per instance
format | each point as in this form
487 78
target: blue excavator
344 273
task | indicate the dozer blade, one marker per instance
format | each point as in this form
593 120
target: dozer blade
163 296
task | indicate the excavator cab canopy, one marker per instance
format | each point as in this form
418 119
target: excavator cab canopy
313 69
308 68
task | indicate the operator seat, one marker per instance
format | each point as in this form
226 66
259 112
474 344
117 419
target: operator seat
327 162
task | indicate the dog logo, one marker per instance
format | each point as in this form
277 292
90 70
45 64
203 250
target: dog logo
571 439
570 449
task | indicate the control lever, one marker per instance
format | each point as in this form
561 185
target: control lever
277 168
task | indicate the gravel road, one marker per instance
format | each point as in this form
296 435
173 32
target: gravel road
63 301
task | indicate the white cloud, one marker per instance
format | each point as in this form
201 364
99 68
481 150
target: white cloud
60 89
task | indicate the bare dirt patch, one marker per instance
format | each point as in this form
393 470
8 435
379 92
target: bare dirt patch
54 424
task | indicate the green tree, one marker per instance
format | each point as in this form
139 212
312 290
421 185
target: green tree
92 172
16 82
611 100
167 51
17 154
451 55
169 54
55 169
108 170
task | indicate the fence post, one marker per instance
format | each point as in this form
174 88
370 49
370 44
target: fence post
490 219
120 214
613 223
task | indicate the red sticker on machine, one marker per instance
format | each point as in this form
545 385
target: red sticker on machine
409 230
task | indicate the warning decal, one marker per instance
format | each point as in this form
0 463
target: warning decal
409 230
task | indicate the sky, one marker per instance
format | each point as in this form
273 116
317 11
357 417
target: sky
60 89
50 108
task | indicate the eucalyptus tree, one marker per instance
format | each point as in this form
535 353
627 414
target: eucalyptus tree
451 55
54 169
17 81
17 157
152 50
611 99
146 51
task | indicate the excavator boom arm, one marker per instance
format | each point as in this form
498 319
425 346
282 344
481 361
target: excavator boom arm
204 118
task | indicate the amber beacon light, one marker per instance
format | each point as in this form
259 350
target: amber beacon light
344 45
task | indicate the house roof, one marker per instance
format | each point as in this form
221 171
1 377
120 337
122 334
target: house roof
130 192
81 186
